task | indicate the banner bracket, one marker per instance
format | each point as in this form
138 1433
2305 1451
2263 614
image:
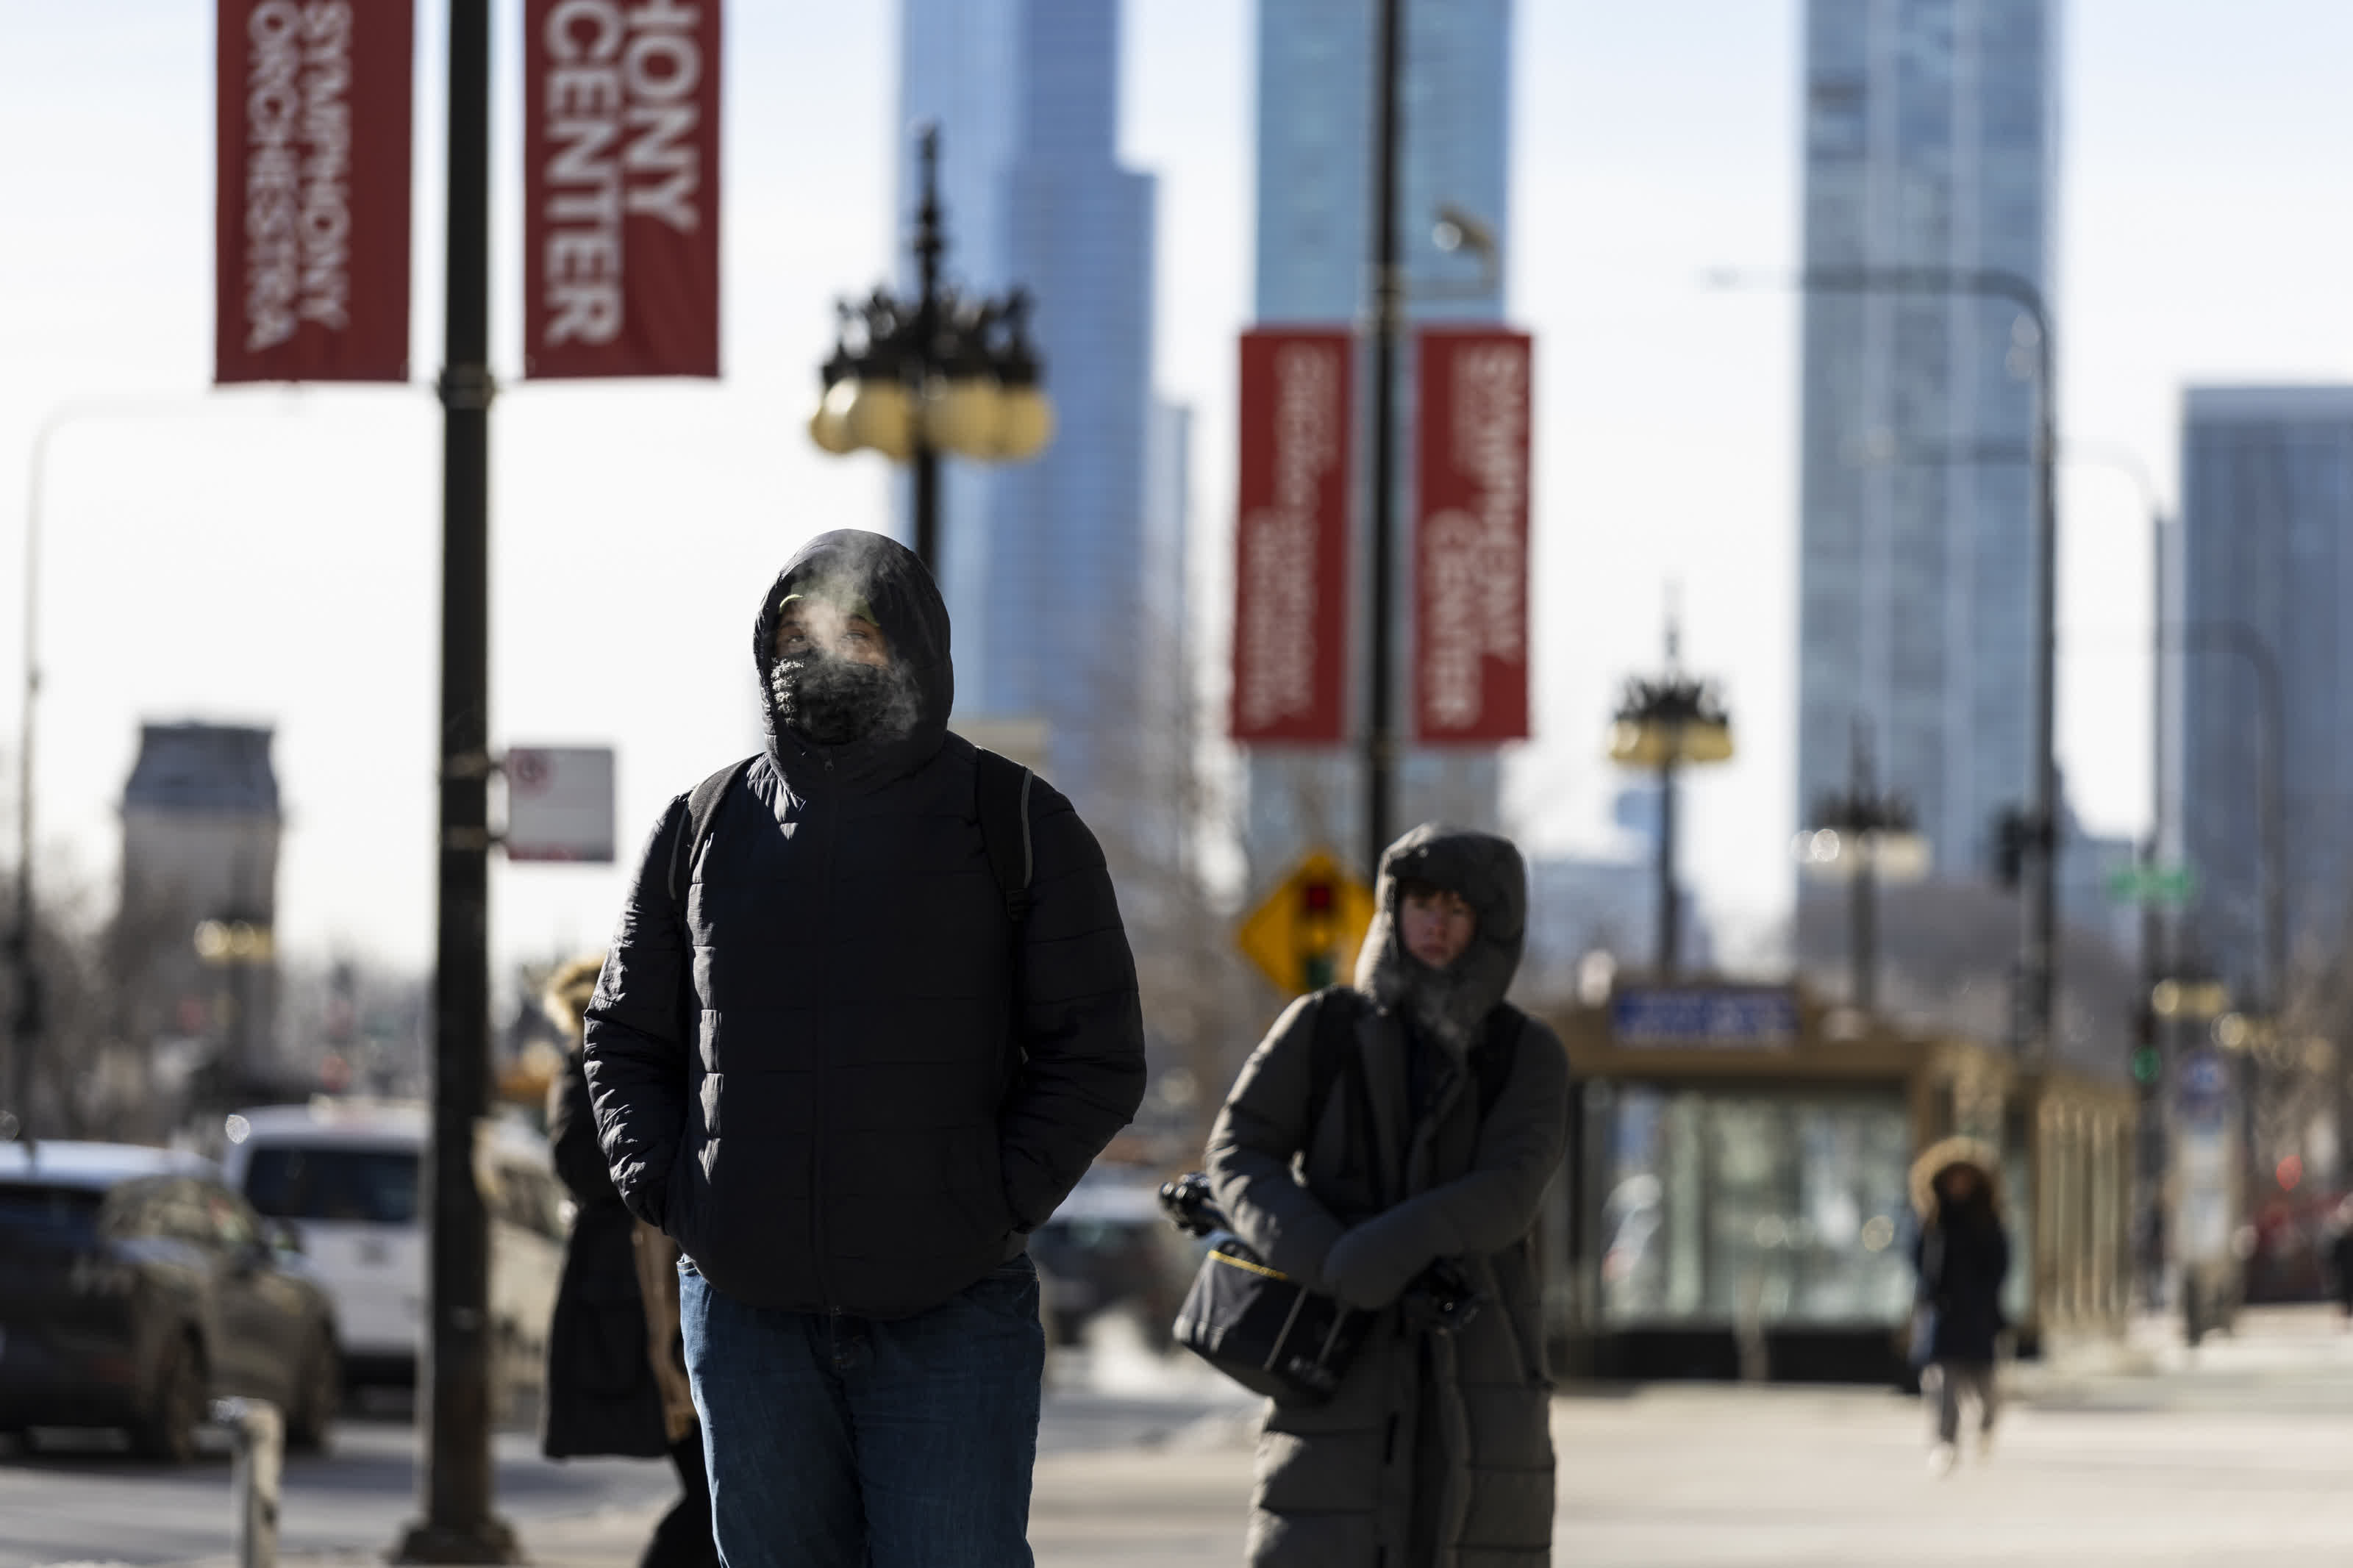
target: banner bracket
470 387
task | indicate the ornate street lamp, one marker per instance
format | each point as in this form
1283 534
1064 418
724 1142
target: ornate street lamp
1863 837
1664 725
941 373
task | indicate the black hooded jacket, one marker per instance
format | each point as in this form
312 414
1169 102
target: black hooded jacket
836 1077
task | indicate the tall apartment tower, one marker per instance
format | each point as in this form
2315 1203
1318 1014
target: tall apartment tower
1055 578
1930 140
2265 566
1316 179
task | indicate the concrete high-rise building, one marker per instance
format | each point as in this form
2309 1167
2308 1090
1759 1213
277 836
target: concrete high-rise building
1930 141
1050 567
1316 189
200 832
2264 562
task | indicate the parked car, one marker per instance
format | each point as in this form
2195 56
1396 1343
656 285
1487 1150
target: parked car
1110 1245
136 1286
347 1173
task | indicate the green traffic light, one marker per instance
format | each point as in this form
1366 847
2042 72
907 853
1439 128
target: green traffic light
2147 1064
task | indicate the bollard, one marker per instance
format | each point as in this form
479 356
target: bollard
259 1433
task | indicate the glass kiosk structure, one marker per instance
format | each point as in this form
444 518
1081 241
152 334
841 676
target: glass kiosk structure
1740 1202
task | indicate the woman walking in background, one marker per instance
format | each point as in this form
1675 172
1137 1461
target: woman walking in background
616 1378
1963 1256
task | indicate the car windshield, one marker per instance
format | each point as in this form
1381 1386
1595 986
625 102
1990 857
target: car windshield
366 1186
54 1215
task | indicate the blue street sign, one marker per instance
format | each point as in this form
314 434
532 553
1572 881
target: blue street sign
1704 1016
2205 1091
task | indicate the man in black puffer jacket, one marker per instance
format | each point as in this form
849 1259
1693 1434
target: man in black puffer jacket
835 1071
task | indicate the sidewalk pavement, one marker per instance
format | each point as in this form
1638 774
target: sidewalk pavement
1181 1503
2149 1455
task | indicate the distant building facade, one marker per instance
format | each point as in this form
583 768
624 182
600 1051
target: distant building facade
1314 205
1587 910
1930 142
201 823
2263 567
1050 567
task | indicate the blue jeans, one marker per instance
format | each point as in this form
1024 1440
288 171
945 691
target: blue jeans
841 1442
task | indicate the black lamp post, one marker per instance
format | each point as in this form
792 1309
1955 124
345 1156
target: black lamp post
1664 724
940 373
1863 834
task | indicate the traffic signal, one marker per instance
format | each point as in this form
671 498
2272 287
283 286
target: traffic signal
2010 837
2146 1061
1318 934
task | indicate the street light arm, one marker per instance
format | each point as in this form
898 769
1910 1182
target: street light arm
2039 923
24 1026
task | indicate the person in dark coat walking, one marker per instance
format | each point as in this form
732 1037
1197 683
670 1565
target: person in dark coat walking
2340 1258
616 1378
1436 1450
1962 1255
834 1062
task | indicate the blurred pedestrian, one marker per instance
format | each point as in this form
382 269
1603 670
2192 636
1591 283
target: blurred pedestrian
1434 1141
2340 1258
616 1378
1963 1256
869 1016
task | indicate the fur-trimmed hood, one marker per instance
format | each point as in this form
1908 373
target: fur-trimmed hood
565 997
1940 1157
1486 872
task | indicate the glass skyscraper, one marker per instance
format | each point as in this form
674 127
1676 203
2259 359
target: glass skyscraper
1930 140
2265 569
1315 174
1058 595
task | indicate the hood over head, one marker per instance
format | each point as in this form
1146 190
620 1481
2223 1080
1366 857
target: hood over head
565 997
1486 872
1940 1157
909 700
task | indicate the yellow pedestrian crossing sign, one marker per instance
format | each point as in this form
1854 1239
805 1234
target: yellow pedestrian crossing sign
1305 934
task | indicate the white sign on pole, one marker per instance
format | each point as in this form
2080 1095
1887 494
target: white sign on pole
560 803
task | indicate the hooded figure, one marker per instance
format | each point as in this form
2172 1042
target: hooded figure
1436 1451
1962 1257
829 1064
1961 1253
615 1373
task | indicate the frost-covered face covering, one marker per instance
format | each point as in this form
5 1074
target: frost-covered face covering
831 701
833 680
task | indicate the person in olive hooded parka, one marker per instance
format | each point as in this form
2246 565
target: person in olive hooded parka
1435 1449
832 1069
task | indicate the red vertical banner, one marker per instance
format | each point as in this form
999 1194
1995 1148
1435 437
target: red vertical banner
311 193
620 187
1290 548
1471 539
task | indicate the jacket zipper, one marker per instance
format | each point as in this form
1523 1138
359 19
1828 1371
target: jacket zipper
824 1045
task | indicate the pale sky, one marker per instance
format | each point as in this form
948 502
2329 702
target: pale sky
270 556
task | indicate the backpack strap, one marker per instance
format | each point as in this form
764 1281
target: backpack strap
700 807
1333 1046
1499 1047
1332 1056
1000 789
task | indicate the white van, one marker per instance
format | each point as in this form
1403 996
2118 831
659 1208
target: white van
347 1173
